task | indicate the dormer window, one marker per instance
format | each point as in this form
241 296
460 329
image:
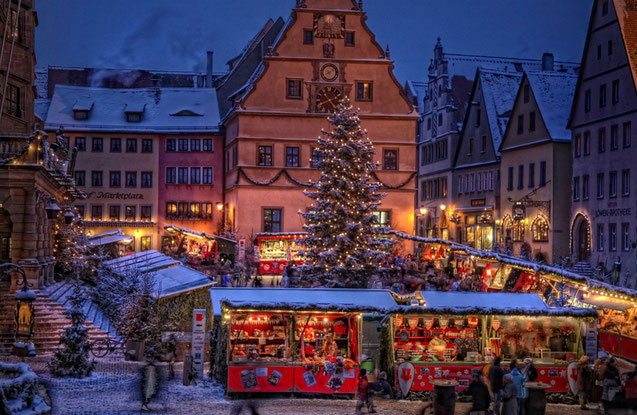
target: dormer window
80 115
81 110
134 112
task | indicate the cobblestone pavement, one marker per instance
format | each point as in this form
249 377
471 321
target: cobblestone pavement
115 389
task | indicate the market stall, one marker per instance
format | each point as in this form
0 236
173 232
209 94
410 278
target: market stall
199 248
448 335
276 250
290 340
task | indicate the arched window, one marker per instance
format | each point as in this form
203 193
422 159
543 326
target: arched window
507 228
518 231
540 230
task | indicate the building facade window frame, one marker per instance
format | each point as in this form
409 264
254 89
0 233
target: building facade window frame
612 237
265 155
116 145
576 185
585 187
131 145
600 185
612 184
130 178
600 237
97 144
115 179
292 156
272 219
147 179
147 145
625 237
97 178
364 91
294 88
626 134
390 159
625 182
601 140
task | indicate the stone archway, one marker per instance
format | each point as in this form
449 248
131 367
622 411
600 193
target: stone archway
6 227
581 239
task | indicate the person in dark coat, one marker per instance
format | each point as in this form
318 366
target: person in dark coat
509 395
529 371
583 378
495 378
381 387
479 392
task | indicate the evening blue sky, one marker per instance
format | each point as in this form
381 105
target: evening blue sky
174 35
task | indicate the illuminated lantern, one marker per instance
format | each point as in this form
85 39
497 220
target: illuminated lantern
24 314
52 210
68 217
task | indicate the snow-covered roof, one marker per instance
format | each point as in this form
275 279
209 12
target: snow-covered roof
199 234
299 299
162 109
113 239
554 92
465 65
499 90
41 107
170 276
418 89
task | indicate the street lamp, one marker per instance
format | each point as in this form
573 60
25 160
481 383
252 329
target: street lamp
219 206
52 210
24 313
68 217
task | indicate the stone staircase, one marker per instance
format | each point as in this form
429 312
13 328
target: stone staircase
584 269
50 318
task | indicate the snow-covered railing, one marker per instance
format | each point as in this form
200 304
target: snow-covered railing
18 393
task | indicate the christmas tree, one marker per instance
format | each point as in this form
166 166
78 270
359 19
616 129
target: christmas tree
345 243
72 359
71 246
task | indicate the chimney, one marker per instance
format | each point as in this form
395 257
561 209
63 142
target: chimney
547 62
209 69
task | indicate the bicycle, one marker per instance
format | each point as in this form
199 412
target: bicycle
108 345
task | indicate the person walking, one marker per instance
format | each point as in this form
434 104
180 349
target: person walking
610 384
362 393
630 387
518 381
495 378
583 377
480 398
509 395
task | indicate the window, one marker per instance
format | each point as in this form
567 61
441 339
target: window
116 145
612 184
542 173
483 146
532 121
80 143
625 237
171 209
602 95
206 210
80 178
383 218
440 119
587 100
518 231
114 212
115 179
96 212
182 144
614 137
80 210
317 158
131 145
144 243
610 47
171 175
13 17
605 8
294 89
612 237
182 177
292 156
147 179
521 176
363 91
577 146
600 237
131 179
195 175
206 175
97 144
133 116
171 144
526 93
540 230
271 220
265 156
130 212
182 210
587 143
13 102
308 37
96 179
575 188
470 150
520 124
146 213
615 91
600 185
460 179
390 159
510 179
585 186
195 210
423 153
207 144
147 145
599 52
531 175
428 123
626 182
478 116
601 140
626 141
350 39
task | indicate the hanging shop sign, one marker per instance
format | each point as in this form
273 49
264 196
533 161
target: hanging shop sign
242 249
518 211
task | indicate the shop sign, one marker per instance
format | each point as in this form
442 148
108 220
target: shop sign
590 345
478 202
116 195
612 212
198 340
518 211
242 249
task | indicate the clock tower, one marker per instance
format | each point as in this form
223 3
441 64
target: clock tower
324 52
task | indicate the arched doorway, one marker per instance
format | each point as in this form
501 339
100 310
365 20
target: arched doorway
6 227
581 238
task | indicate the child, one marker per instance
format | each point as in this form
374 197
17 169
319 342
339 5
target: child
362 392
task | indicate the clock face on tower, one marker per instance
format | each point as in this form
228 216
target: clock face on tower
327 99
329 72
